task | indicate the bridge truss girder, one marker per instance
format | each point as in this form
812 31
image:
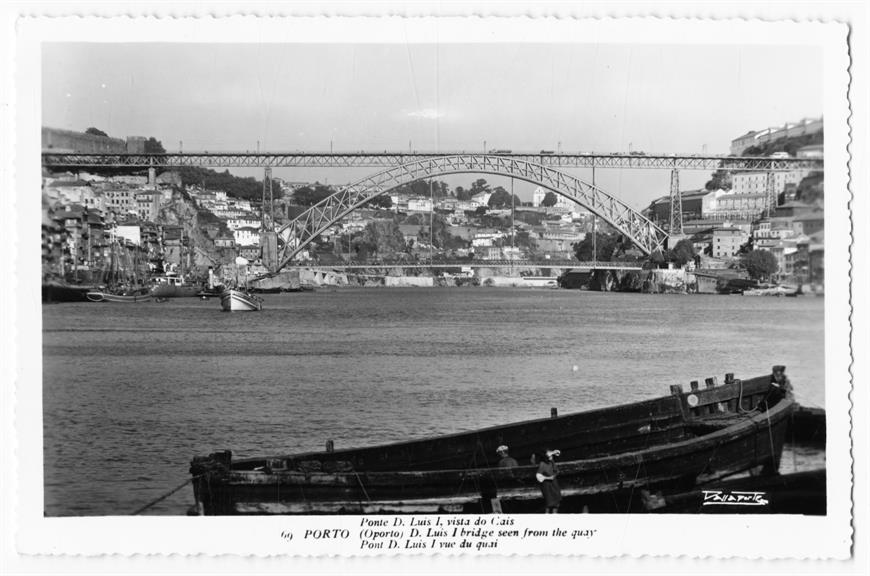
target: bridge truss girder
300 232
387 159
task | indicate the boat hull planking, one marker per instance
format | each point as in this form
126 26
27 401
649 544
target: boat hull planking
674 441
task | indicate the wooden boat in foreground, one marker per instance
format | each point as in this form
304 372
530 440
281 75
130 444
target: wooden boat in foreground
675 441
238 301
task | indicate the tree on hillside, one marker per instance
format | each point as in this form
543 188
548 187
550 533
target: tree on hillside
154 146
812 189
720 179
309 196
549 200
523 239
381 239
96 132
605 247
760 264
247 188
438 189
479 186
682 253
441 236
383 201
462 194
501 198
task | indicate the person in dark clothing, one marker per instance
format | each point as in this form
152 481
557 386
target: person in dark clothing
780 387
505 460
547 473
779 380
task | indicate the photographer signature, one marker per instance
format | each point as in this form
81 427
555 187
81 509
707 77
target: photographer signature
735 497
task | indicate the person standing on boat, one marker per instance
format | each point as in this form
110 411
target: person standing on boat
505 460
779 380
546 476
780 386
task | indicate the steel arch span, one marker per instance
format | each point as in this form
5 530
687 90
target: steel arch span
300 232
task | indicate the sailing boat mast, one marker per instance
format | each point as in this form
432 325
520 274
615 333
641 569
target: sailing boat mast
136 266
111 267
181 254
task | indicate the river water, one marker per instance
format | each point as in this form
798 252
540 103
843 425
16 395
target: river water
132 392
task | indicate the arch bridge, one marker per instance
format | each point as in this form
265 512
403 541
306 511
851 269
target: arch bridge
300 232
403 167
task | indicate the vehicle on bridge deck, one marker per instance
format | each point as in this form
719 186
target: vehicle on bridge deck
671 442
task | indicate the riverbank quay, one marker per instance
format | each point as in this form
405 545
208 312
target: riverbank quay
605 279
408 277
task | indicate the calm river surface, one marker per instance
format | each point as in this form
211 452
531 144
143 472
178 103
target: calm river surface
133 391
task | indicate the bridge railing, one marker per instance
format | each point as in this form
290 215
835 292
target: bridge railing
67 159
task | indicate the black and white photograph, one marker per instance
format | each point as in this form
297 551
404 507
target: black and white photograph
422 291
489 316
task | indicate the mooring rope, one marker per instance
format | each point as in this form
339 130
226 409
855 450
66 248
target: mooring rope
770 436
361 485
164 496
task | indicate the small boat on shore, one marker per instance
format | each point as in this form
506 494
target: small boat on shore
239 301
777 290
143 295
674 441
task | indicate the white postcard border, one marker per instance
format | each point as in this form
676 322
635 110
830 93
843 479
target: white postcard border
749 537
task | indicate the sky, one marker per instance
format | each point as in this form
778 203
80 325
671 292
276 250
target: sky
435 97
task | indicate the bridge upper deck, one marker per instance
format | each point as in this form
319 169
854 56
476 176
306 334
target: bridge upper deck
386 159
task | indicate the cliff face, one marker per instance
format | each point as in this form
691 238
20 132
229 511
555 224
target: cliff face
200 230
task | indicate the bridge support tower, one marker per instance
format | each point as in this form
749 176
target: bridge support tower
267 192
268 237
675 230
676 227
771 200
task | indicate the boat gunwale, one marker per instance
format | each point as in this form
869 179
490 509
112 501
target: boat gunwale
97 296
653 453
453 434
753 416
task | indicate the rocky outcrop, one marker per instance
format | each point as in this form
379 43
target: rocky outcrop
647 281
667 282
180 210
